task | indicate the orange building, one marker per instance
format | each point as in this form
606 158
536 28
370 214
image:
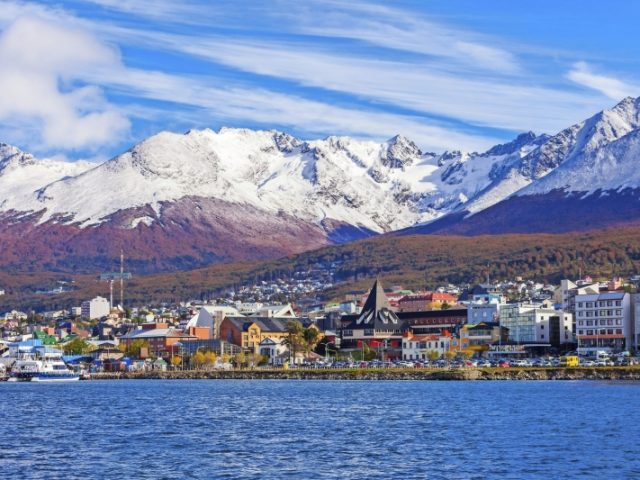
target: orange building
420 302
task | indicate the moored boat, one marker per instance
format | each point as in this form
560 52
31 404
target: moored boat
38 363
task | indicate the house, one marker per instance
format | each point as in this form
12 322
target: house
426 301
248 332
159 336
418 347
274 349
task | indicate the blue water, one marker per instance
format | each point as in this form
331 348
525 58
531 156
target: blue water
319 429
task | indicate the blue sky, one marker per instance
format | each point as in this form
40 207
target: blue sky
87 79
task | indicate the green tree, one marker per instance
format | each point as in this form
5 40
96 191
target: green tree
133 348
77 346
433 355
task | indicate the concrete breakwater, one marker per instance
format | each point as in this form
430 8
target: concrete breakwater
602 374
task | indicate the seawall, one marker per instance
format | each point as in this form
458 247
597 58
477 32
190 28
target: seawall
579 373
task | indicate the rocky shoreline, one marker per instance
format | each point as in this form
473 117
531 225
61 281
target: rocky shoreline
601 374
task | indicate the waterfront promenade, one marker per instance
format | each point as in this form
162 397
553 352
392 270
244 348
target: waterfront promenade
631 373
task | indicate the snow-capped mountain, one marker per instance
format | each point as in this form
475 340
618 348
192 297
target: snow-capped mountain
181 200
377 187
586 176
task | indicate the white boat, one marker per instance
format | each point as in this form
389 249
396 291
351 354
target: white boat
38 363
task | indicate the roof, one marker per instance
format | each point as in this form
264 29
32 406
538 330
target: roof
266 324
153 333
448 313
202 319
376 312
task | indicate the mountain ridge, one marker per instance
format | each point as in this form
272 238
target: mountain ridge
236 194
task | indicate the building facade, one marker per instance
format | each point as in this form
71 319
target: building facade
95 308
418 347
604 322
536 324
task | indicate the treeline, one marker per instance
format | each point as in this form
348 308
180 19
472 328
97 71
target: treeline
416 262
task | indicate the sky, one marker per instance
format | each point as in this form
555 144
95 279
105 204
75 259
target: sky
89 79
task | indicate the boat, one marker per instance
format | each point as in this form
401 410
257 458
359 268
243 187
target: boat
38 363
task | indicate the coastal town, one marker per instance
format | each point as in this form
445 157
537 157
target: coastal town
507 324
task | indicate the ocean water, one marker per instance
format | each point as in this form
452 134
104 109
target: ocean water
152 429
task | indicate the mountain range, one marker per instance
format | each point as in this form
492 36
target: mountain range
177 201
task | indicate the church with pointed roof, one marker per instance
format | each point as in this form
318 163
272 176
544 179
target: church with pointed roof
376 326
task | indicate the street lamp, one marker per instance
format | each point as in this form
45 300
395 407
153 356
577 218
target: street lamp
326 349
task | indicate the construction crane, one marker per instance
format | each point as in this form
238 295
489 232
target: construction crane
112 276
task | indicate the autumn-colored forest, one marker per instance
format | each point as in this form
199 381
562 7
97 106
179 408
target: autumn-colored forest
415 262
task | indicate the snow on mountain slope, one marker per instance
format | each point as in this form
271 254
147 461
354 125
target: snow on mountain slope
376 186
573 143
329 183
21 175
614 167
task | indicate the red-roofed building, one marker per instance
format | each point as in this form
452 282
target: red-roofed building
418 347
420 302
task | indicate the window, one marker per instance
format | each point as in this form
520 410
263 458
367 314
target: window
609 331
581 323
589 332
618 312
589 323
541 327
618 321
619 331
618 303
580 304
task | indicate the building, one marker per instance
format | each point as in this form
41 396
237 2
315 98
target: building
377 326
201 325
536 324
478 339
604 322
433 322
482 312
483 293
160 338
426 301
95 308
418 347
249 332
274 350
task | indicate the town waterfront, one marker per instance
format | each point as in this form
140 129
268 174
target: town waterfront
320 429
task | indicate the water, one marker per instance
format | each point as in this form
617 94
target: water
319 429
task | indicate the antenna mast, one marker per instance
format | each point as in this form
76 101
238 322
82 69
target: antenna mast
122 278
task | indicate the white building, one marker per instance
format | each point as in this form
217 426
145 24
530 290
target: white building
273 349
535 323
604 322
482 312
417 347
95 308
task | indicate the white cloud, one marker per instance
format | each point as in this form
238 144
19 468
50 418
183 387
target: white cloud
425 87
40 65
272 108
583 74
